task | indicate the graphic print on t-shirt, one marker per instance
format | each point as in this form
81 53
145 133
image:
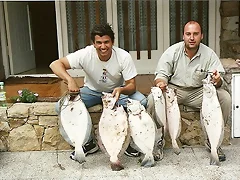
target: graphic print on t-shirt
103 77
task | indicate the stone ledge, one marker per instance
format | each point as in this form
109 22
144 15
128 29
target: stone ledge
230 67
36 130
231 48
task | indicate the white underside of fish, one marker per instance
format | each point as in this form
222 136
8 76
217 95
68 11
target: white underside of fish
213 123
113 131
174 122
156 107
76 125
143 134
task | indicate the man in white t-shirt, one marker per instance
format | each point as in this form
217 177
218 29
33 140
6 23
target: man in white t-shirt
107 68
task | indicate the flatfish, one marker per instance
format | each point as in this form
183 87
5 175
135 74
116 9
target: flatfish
113 130
159 106
156 107
142 130
75 124
212 118
173 118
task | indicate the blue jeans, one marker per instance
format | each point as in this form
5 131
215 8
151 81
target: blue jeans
92 98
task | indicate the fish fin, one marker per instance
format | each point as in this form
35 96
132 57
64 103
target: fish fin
100 144
99 140
214 160
175 147
126 142
148 160
116 166
79 154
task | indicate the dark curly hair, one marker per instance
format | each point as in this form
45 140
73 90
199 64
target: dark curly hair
102 30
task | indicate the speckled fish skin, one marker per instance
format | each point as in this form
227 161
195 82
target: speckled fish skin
113 130
173 118
212 119
142 130
76 124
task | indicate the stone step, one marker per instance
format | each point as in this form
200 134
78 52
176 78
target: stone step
34 127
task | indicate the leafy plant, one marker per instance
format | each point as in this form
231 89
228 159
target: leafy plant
25 96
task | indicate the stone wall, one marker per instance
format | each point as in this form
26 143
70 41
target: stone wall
229 39
30 127
230 67
34 127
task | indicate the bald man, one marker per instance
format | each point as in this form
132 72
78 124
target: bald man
185 64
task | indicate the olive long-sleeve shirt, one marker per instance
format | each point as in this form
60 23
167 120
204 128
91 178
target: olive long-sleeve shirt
176 68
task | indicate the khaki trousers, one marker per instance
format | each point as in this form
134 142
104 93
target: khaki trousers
193 97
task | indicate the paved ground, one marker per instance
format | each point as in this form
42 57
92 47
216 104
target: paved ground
192 163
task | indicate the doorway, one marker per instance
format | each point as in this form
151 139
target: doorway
41 29
43 19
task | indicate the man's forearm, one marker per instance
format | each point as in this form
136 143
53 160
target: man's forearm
59 69
128 89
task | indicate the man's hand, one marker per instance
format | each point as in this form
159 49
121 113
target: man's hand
216 79
116 92
161 84
238 62
72 86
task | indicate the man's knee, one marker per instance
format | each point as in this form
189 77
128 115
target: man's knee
144 102
224 97
140 97
225 103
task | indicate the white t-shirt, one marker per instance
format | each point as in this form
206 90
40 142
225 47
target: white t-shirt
100 75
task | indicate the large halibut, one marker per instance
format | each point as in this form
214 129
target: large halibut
173 118
156 107
212 119
159 106
113 130
142 130
75 124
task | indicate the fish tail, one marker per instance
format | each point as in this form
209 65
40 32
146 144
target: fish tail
214 160
148 160
79 154
116 166
175 147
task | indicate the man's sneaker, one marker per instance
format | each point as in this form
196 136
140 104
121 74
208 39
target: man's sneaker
158 150
132 152
88 148
221 155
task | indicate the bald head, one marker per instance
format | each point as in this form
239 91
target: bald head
191 23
